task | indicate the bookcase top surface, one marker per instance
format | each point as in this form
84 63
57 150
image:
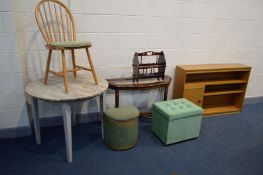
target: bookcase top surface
204 67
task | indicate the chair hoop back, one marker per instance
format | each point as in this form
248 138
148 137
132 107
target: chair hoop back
55 21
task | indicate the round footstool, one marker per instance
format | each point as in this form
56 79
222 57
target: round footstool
120 127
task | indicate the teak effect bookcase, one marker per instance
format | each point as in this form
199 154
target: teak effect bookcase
217 88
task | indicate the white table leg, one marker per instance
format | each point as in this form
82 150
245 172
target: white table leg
35 117
74 117
101 114
67 129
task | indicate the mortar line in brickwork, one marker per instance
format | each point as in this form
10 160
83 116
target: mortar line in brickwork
174 17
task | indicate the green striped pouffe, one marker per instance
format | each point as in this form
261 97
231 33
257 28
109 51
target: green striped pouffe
120 127
176 120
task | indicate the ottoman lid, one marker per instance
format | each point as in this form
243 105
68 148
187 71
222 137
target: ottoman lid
122 113
178 108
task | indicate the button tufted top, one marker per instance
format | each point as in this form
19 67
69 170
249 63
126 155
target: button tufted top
178 108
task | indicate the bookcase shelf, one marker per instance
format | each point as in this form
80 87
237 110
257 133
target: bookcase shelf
217 88
223 92
218 82
221 109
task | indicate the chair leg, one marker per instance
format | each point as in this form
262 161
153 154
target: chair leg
74 63
92 67
47 66
64 71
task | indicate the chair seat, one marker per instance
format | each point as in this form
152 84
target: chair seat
70 44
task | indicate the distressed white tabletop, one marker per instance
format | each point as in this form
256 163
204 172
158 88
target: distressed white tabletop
82 87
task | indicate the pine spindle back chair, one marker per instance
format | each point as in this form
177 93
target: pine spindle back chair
57 26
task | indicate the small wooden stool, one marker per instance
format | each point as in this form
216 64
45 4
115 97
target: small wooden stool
120 127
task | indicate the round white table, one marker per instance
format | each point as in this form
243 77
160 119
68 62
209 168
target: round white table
81 88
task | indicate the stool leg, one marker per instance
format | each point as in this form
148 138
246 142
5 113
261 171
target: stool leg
74 62
92 67
64 71
47 66
101 115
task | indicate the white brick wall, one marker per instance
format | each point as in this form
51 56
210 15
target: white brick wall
188 31
5 6
12 99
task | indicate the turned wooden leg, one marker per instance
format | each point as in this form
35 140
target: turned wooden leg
165 93
47 66
117 98
64 71
92 67
74 63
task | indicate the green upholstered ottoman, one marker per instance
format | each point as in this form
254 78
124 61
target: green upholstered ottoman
176 120
120 127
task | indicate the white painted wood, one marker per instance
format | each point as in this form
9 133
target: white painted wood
35 116
101 114
82 87
73 117
67 129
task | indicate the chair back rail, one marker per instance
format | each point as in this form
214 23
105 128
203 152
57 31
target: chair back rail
55 21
